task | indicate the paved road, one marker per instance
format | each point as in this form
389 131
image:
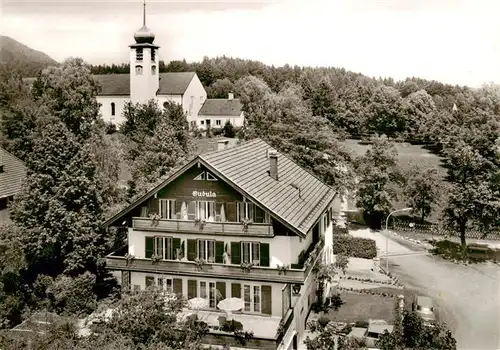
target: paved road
467 297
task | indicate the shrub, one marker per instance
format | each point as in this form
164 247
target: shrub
323 320
228 130
355 247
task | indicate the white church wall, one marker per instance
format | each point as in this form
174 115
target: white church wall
106 109
194 97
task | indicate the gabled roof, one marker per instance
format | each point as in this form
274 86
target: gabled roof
172 83
220 106
245 167
14 172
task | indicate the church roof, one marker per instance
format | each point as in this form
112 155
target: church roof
172 83
221 106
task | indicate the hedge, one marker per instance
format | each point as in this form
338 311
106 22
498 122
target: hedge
355 247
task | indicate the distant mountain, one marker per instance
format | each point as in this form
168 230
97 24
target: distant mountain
23 58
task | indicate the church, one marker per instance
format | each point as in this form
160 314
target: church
145 82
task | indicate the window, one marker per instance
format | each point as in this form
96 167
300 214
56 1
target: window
153 70
208 291
144 212
165 283
206 250
164 248
112 108
205 210
167 209
138 54
153 56
250 252
251 296
202 122
218 122
245 211
205 176
138 70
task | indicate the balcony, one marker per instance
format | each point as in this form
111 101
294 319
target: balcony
184 226
295 274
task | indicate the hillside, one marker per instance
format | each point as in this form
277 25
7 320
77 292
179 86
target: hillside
27 61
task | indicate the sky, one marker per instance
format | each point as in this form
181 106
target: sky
453 41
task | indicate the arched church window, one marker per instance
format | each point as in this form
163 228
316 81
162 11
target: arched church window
112 108
138 70
153 54
153 70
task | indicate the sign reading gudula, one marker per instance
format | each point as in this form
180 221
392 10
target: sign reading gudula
208 194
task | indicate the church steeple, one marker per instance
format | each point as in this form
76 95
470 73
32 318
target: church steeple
144 62
144 35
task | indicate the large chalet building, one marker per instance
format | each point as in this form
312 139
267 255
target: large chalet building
244 222
12 175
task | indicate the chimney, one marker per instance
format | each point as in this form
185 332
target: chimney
222 144
230 96
273 165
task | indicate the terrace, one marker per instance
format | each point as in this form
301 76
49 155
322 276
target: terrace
296 273
207 227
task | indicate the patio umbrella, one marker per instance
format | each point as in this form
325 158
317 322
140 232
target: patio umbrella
222 214
197 303
184 214
231 304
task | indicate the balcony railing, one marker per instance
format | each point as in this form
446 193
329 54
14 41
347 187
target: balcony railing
184 226
191 268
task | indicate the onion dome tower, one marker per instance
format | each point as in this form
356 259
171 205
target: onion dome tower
144 62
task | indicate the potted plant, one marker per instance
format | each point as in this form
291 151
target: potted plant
155 219
282 269
199 222
155 258
246 266
199 263
129 258
246 223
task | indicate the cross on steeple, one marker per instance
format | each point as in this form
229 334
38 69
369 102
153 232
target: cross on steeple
144 14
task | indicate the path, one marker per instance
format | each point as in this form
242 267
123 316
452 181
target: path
467 297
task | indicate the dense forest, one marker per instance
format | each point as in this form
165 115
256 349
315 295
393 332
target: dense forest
52 254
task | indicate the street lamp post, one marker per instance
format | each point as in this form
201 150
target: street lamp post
387 236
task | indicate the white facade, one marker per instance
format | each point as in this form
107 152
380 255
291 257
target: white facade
193 98
218 121
144 75
112 108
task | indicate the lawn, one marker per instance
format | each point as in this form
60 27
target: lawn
408 155
362 307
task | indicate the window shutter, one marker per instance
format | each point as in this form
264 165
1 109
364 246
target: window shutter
235 253
191 209
231 212
191 249
192 289
221 287
149 247
264 254
150 281
267 305
235 290
219 252
176 246
177 286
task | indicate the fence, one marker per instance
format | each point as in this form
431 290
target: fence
435 230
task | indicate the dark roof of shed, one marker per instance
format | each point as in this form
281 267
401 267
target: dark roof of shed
171 83
14 172
220 106
245 167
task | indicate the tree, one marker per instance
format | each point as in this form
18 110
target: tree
422 190
378 177
228 130
59 209
220 88
69 91
473 198
325 338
